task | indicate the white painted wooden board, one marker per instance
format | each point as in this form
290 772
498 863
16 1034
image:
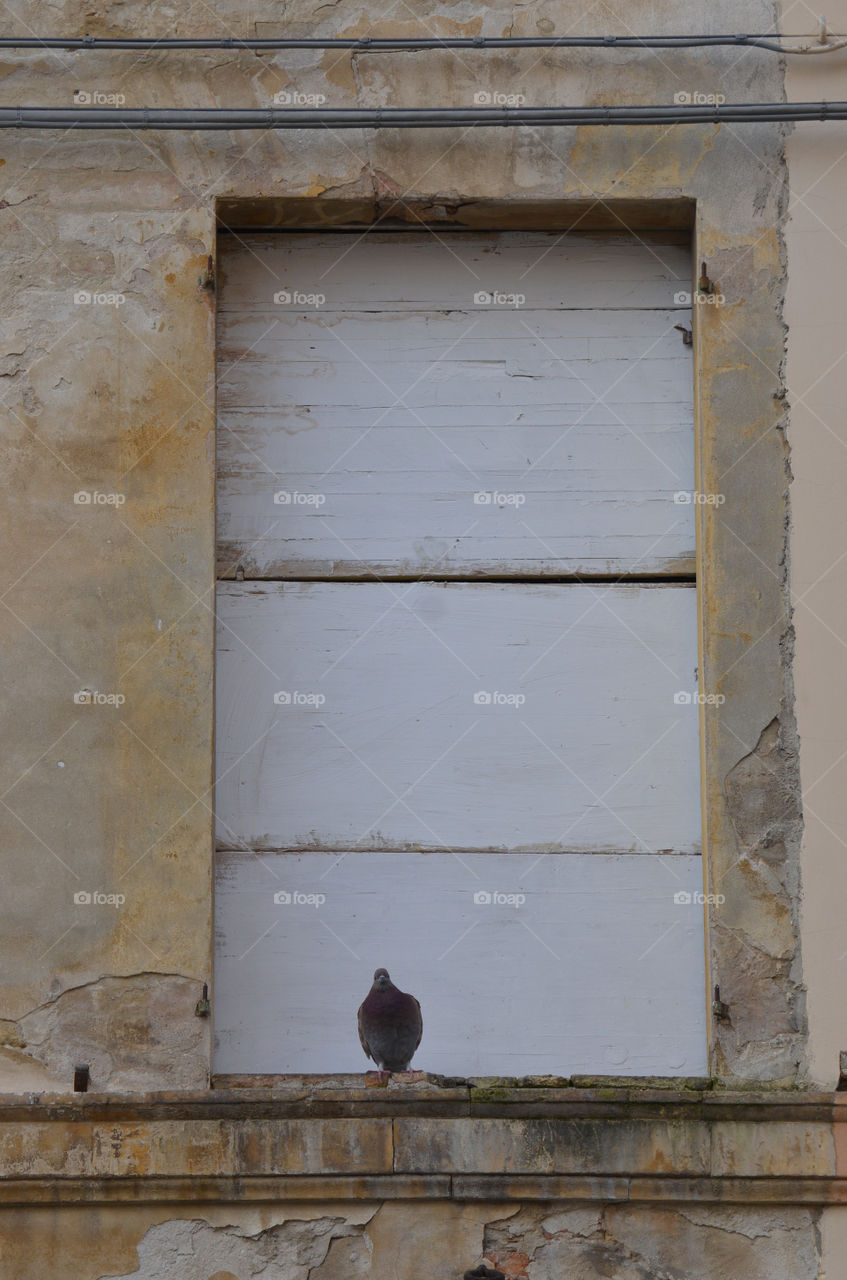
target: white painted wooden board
399 270
402 753
377 416
598 970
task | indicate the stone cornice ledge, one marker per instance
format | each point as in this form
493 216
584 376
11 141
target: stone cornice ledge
351 1097
320 1140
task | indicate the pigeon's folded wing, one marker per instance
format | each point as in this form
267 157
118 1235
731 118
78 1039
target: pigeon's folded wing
362 1039
420 1025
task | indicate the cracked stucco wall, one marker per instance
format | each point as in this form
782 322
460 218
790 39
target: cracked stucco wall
317 1250
125 1029
119 399
755 934
400 1242
629 1243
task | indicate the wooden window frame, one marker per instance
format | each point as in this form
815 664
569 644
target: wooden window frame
717 616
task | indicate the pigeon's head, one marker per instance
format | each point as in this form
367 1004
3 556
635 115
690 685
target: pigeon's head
381 980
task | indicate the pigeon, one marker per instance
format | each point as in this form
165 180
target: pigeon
390 1025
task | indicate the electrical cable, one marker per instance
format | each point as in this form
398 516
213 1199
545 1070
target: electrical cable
381 44
217 118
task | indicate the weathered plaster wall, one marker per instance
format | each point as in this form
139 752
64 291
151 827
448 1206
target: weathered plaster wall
631 1243
117 599
196 1242
401 1242
594 1182
119 400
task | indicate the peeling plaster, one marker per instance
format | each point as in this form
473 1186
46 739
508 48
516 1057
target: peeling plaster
194 1250
350 1242
136 1032
759 920
633 1243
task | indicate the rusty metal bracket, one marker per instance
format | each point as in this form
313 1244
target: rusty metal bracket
719 1008
207 280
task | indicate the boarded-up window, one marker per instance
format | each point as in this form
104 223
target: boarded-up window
457 731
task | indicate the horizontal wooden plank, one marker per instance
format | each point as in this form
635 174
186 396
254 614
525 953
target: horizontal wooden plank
345 383
504 337
571 963
302 333
457 716
363 360
399 271
378 433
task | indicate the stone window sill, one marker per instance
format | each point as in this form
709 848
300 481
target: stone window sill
335 1138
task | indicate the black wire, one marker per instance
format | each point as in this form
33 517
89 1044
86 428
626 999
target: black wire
383 44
